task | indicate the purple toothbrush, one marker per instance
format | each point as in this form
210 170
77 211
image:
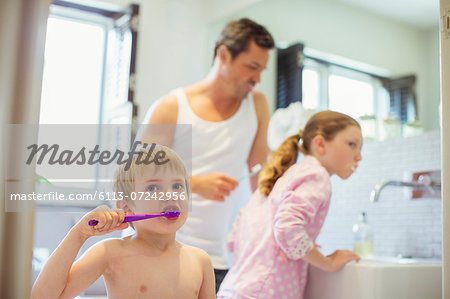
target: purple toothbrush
129 218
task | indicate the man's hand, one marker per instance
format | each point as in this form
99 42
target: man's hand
214 186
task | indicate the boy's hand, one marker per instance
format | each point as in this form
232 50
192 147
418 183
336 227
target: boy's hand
108 221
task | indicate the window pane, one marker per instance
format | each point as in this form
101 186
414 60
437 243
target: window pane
71 87
72 78
350 96
310 96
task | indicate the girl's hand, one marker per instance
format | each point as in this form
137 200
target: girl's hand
108 221
341 257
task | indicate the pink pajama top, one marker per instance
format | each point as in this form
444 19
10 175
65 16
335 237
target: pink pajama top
272 234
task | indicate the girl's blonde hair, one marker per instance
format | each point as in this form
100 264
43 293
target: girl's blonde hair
125 179
325 123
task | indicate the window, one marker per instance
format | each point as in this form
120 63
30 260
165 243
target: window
73 71
339 89
88 80
89 64
323 81
351 95
356 93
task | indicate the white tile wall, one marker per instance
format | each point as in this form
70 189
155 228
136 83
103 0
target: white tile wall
400 225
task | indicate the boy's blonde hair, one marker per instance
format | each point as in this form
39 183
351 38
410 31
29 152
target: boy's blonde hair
325 123
125 179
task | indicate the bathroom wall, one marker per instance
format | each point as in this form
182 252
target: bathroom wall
401 225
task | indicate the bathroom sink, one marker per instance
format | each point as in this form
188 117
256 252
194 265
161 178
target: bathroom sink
378 278
399 261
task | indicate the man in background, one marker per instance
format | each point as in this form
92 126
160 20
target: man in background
229 132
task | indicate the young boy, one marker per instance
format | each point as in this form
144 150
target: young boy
149 264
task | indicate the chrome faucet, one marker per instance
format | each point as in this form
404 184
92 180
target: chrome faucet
423 182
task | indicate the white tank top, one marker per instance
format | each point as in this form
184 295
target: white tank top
216 146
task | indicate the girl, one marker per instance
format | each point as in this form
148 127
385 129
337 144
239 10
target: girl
273 237
150 264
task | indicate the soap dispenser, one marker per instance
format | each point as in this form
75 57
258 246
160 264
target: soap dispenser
362 237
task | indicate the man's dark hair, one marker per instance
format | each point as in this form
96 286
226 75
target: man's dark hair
236 36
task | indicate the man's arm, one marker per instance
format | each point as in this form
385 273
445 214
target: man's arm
260 150
160 122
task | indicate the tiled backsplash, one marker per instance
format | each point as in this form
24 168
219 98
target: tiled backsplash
399 224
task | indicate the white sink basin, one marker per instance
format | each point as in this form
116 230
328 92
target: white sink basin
378 278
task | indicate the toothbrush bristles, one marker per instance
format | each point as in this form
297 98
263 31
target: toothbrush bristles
172 213
257 167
